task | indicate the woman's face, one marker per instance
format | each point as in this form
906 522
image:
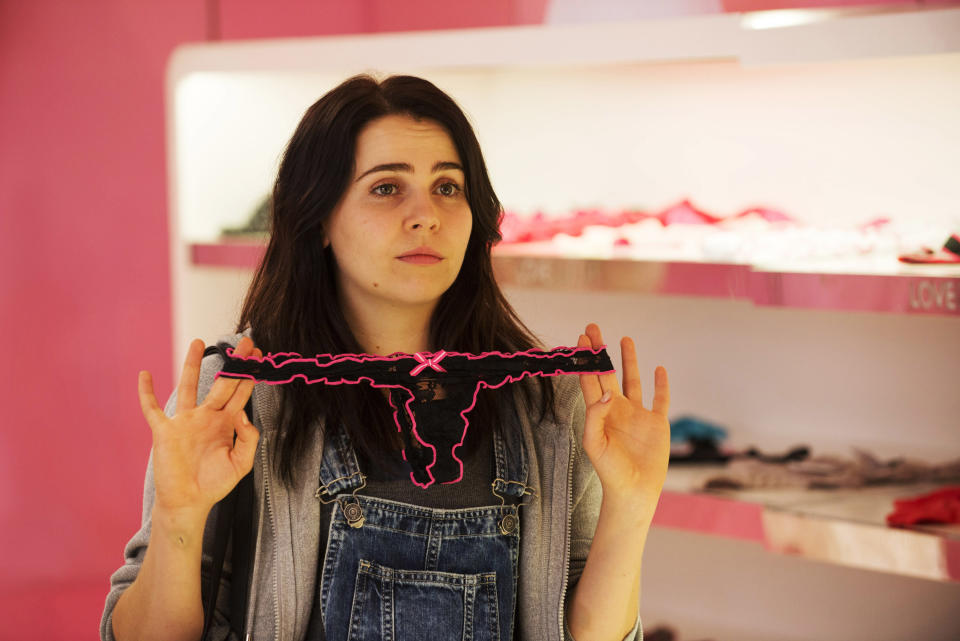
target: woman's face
400 230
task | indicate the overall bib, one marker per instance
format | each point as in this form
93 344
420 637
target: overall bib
401 572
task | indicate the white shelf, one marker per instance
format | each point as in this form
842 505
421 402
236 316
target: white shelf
846 526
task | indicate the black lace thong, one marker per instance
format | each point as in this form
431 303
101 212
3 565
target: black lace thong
430 393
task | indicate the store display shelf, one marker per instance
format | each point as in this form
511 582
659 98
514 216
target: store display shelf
850 285
246 252
846 527
904 289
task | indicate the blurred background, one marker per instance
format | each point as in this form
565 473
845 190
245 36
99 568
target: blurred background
758 191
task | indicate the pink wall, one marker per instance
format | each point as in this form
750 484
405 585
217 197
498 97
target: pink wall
85 293
84 268
241 19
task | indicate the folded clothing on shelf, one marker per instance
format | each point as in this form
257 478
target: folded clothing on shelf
662 633
694 440
799 453
828 472
698 450
688 427
822 471
949 254
941 506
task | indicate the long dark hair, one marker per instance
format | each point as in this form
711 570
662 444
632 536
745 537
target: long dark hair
292 304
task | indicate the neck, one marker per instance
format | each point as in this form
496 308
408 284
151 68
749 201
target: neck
388 329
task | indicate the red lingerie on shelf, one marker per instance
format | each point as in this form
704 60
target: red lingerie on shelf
941 506
517 229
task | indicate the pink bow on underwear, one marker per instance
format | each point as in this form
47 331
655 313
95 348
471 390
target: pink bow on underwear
428 362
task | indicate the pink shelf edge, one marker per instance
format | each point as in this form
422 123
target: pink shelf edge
903 294
913 294
710 515
951 552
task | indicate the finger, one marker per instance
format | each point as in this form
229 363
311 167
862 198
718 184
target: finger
632 387
594 436
661 398
148 401
607 381
589 383
245 448
225 386
190 376
242 394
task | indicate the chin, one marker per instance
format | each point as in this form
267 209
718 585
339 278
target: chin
418 301
419 296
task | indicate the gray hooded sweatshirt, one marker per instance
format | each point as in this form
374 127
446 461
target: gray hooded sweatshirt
556 526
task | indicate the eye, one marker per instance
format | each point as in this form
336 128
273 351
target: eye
379 189
449 189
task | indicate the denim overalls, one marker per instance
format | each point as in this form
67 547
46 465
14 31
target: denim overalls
401 572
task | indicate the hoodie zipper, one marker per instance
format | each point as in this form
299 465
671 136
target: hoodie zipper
276 556
566 541
252 598
251 606
566 548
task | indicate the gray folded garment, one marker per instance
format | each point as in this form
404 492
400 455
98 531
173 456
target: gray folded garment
829 471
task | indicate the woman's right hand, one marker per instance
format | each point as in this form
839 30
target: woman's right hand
195 461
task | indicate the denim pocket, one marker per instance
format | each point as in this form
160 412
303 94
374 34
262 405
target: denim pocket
402 605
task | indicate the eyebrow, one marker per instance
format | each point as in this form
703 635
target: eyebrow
404 166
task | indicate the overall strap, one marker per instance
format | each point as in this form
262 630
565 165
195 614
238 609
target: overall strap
510 460
339 469
339 473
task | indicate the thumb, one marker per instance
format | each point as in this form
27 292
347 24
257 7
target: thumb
594 436
245 447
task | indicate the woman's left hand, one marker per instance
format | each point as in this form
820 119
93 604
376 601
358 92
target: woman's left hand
628 444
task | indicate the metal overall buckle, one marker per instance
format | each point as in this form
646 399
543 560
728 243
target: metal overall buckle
350 507
511 520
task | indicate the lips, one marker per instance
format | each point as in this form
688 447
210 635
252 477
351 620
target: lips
421 256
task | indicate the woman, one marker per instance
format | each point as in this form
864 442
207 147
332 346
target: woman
383 220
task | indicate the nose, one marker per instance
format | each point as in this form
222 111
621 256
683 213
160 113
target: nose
422 215
432 225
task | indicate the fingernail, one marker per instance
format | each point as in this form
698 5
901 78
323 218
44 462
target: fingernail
606 397
244 417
